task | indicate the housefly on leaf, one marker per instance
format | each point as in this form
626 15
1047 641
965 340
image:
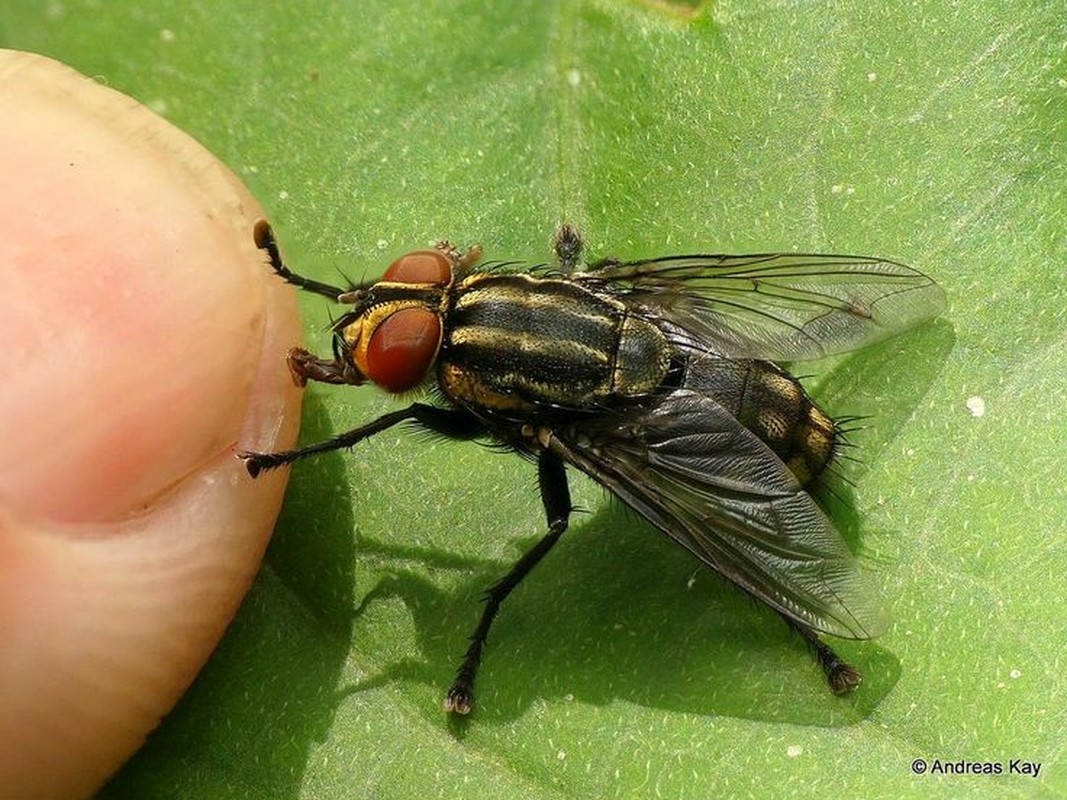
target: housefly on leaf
657 378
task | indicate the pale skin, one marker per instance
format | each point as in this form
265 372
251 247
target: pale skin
144 343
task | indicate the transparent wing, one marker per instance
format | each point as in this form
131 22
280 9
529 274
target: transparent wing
781 307
699 476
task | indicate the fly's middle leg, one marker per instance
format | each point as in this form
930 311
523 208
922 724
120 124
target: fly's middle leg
556 497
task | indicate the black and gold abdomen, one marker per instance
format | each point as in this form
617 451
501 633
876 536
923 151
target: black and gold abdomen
773 405
523 343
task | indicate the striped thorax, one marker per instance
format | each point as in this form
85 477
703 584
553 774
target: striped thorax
527 343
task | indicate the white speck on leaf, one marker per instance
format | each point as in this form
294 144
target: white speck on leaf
976 405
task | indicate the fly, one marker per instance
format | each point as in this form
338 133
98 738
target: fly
657 378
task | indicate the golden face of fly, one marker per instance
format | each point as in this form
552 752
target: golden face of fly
393 335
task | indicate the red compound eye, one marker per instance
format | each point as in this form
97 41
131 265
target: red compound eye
402 348
420 266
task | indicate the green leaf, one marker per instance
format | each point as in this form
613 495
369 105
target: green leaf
931 133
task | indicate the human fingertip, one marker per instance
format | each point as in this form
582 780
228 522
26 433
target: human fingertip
146 342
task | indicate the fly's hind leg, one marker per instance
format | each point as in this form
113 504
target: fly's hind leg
841 676
556 496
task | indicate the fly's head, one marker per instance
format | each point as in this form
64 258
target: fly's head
392 333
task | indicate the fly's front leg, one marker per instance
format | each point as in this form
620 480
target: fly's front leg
556 497
264 239
305 366
449 422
